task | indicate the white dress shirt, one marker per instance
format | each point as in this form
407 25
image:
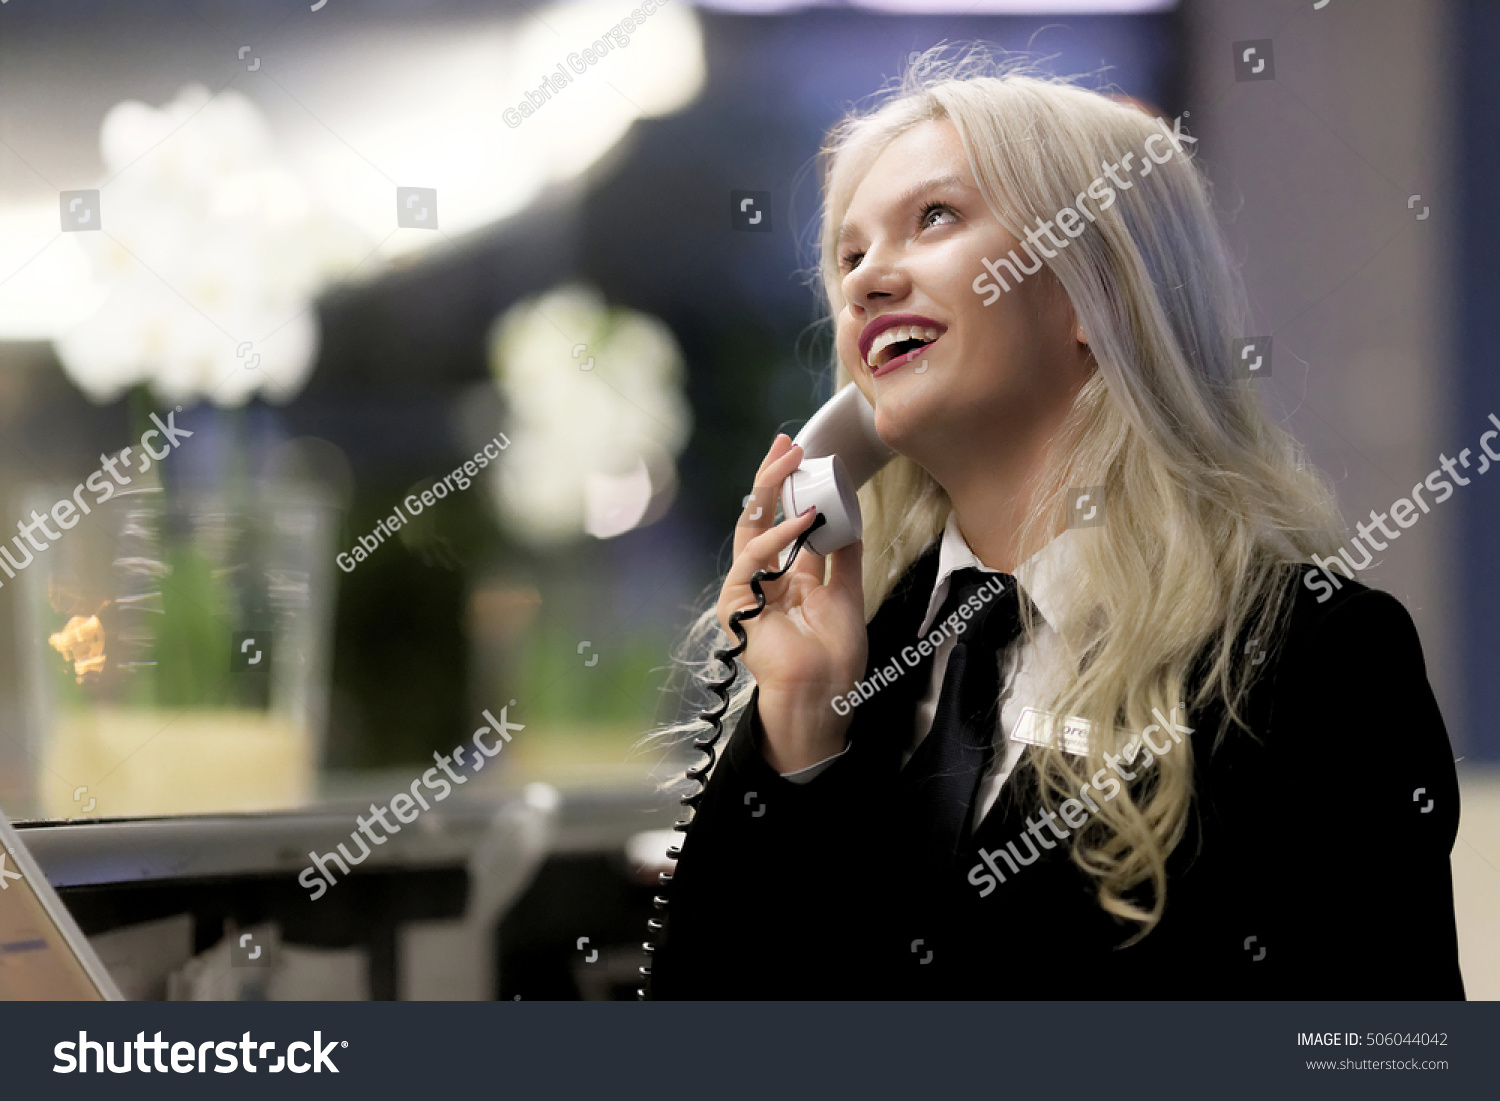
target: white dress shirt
1022 666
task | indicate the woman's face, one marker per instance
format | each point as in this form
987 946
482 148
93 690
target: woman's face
997 378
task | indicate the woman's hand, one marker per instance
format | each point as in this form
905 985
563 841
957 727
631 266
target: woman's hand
808 645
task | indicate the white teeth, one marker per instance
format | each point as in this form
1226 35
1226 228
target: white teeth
895 335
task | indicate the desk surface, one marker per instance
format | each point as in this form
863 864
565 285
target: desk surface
75 852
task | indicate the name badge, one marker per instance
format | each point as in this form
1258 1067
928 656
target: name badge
1038 727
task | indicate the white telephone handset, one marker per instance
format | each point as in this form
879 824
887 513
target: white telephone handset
841 451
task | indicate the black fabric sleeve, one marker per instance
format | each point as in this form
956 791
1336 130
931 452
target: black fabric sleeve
1369 827
772 893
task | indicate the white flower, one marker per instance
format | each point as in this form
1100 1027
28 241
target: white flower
211 256
596 415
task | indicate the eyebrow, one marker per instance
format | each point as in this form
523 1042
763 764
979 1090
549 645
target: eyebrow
906 198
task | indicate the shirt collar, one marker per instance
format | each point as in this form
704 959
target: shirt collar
1042 576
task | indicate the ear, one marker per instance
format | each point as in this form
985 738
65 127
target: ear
1078 332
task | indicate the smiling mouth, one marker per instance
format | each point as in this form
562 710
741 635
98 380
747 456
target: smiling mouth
901 344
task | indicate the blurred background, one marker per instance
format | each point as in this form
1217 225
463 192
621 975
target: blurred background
350 246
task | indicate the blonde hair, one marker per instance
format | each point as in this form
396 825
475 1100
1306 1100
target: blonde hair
1208 502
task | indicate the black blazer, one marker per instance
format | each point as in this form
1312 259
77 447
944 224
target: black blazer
1315 863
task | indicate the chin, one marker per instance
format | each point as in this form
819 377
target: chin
901 413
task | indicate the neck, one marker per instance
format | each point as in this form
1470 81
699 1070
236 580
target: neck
992 497
988 518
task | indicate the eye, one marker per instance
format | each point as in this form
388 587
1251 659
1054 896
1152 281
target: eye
926 222
849 260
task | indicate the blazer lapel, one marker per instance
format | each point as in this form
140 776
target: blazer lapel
1006 817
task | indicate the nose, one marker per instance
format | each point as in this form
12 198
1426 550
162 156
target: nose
878 283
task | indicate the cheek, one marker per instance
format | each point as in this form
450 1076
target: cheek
948 280
952 281
848 341
998 343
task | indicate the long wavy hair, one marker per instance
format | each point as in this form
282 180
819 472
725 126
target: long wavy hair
1209 503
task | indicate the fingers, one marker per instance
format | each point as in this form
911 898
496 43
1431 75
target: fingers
779 446
763 552
760 511
809 564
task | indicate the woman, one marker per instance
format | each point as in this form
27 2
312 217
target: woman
1202 767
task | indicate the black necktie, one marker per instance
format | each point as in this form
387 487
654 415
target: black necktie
940 780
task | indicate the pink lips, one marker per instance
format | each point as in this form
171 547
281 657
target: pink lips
900 361
888 321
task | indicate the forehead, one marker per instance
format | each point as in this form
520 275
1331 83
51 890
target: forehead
929 153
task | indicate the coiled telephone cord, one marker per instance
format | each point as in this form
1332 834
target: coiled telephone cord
709 744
